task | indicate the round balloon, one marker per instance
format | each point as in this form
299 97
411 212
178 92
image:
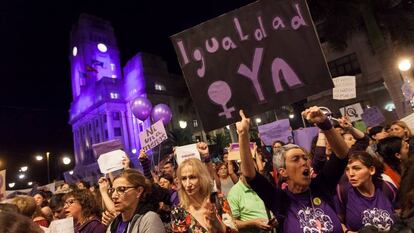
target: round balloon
161 112
141 108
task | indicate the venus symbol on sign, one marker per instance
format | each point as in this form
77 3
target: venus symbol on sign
220 93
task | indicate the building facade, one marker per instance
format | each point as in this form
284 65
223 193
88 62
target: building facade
103 92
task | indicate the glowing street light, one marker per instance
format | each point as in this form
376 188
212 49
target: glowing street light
30 183
39 157
404 65
71 172
66 160
11 185
21 176
258 120
182 124
291 115
24 168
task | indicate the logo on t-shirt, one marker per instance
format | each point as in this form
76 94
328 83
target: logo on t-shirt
314 220
379 218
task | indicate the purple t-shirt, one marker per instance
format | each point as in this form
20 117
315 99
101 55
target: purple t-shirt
122 226
363 211
307 212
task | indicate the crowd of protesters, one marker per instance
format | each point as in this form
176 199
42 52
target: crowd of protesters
350 181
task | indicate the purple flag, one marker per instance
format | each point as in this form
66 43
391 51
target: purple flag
275 131
373 116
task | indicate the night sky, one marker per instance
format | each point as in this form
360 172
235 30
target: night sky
35 91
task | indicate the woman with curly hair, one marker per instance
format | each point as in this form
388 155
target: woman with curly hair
83 207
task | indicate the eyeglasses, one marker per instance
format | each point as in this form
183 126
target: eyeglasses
69 202
121 190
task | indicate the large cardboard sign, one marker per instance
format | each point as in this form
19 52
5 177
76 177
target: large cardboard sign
275 131
152 136
255 58
373 116
185 152
353 111
345 88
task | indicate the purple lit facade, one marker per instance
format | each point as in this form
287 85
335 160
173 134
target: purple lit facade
100 110
102 93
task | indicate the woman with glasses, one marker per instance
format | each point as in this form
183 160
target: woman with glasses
82 206
200 210
306 204
128 192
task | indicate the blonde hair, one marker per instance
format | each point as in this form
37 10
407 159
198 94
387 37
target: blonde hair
204 180
404 125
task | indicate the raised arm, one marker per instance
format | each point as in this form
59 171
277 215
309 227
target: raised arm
315 115
247 165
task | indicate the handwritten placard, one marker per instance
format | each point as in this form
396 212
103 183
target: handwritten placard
373 116
409 120
152 136
185 152
353 111
255 58
234 151
344 88
275 131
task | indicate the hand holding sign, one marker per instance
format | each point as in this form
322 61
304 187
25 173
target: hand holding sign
243 126
345 123
314 115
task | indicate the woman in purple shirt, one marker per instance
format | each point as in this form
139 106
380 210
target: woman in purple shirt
366 200
306 205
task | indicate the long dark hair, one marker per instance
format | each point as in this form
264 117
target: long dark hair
406 194
387 148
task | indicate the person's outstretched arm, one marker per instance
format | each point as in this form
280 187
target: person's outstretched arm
247 165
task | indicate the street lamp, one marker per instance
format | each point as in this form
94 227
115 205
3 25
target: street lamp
40 158
182 124
21 176
66 160
29 183
71 172
11 185
24 168
404 65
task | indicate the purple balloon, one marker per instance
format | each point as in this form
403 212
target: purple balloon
161 112
141 108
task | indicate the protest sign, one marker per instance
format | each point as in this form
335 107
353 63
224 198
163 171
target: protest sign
111 161
255 58
373 116
344 88
353 111
303 137
2 184
275 131
152 136
185 152
61 226
234 151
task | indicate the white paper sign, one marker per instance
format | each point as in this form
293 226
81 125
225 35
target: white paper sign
111 161
62 226
353 111
186 152
344 88
152 136
409 120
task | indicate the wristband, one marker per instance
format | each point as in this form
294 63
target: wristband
326 125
